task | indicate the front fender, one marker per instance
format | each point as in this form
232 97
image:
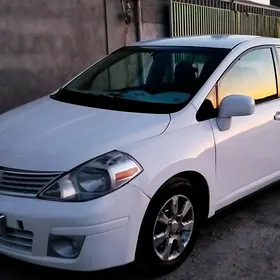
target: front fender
188 149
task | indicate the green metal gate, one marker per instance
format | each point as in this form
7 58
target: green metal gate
195 19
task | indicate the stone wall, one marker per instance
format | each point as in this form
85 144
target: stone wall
45 43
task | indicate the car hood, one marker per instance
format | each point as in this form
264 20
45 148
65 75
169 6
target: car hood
48 135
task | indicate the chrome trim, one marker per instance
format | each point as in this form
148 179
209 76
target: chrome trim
25 183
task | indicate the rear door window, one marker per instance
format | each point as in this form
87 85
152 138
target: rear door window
253 75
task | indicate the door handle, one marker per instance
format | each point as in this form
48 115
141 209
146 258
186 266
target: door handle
277 116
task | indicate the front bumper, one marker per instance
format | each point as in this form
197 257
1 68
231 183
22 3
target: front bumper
110 225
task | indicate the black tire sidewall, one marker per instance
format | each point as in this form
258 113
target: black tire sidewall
146 257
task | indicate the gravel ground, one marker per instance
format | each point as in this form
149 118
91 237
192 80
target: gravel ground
241 243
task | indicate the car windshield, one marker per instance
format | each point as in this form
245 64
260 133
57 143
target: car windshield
146 80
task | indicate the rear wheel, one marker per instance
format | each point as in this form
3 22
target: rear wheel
169 228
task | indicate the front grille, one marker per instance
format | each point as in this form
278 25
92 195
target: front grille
18 240
24 183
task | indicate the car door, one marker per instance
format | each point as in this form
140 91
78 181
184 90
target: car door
248 154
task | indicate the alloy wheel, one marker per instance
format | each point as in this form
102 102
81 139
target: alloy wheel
173 228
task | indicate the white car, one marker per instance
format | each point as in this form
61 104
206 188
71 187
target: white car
125 161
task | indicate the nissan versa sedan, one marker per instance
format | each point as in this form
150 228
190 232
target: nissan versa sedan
123 163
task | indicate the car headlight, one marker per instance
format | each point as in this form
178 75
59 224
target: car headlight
94 179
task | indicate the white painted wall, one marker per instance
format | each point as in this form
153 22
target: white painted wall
267 2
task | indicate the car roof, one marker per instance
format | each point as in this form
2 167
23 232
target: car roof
214 41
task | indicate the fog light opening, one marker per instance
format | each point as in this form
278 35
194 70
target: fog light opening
68 247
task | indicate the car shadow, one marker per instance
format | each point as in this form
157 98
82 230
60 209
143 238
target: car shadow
11 269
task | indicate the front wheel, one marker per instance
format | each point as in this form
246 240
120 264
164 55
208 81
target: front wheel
169 228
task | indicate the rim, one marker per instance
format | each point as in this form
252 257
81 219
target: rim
173 228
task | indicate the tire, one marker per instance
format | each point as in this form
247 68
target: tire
153 260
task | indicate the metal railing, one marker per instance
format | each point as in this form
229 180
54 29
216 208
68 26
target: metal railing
200 17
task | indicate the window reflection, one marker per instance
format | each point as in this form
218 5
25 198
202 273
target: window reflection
208 108
252 75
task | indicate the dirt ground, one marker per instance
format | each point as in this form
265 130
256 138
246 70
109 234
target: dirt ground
239 244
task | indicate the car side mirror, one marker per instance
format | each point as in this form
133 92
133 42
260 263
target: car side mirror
234 106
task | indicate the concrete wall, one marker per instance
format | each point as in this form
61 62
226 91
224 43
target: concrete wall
155 18
45 43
